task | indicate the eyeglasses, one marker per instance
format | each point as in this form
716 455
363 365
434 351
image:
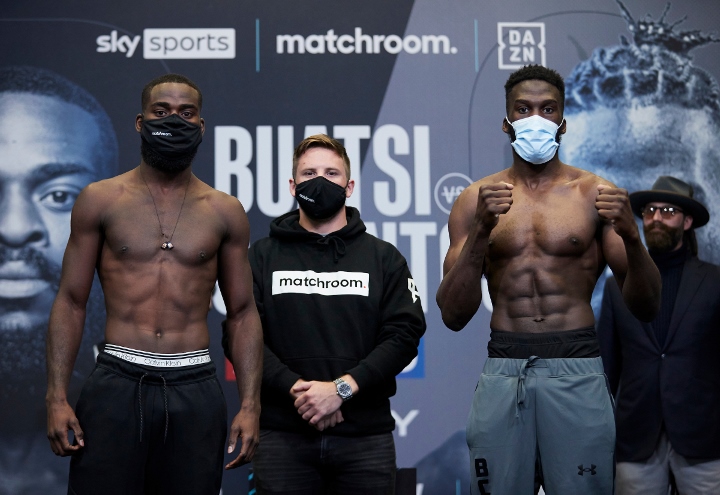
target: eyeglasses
667 212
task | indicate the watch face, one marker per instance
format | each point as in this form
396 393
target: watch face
344 390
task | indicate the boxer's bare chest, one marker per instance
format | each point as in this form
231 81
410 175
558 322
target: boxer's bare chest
138 230
557 222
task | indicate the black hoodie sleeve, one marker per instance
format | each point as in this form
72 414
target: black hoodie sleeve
275 373
402 323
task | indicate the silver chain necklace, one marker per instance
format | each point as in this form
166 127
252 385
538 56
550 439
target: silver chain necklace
168 244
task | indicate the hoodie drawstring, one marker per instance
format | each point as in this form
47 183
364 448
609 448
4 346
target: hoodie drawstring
338 245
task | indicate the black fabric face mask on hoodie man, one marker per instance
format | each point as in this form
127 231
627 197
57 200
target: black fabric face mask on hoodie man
320 198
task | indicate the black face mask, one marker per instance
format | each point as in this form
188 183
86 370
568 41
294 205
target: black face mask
172 136
320 198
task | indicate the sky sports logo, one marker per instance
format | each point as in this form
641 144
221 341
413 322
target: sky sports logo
324 284
189 43
359 42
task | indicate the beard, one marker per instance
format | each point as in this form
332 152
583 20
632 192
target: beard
23 376
22 343
662 239
164 164
22 363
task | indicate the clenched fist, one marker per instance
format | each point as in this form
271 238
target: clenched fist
493 200
613 205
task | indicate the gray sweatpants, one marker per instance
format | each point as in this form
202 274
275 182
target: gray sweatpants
556 414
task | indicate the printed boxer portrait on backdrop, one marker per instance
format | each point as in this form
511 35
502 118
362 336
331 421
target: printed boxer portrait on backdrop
55 139
642 109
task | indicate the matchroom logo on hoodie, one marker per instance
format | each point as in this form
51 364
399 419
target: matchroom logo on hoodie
324 284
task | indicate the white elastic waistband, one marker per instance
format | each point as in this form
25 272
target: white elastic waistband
158 360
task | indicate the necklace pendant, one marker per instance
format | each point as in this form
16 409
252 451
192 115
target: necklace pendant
166 245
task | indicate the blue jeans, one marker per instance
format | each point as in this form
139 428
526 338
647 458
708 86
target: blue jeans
316 463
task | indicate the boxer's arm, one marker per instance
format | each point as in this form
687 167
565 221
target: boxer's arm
67 318
634 270
475 213
243 327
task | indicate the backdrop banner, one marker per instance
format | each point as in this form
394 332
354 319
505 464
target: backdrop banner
414 90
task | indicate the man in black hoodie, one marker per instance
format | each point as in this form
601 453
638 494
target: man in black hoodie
341 318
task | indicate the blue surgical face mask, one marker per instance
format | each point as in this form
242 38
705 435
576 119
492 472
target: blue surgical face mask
535 139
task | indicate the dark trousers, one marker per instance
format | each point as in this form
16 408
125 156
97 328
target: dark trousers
149 431
316 464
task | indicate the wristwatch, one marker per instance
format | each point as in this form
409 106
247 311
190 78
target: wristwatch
343 389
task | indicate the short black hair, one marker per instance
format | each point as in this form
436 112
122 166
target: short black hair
168 78
43 82
535 72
